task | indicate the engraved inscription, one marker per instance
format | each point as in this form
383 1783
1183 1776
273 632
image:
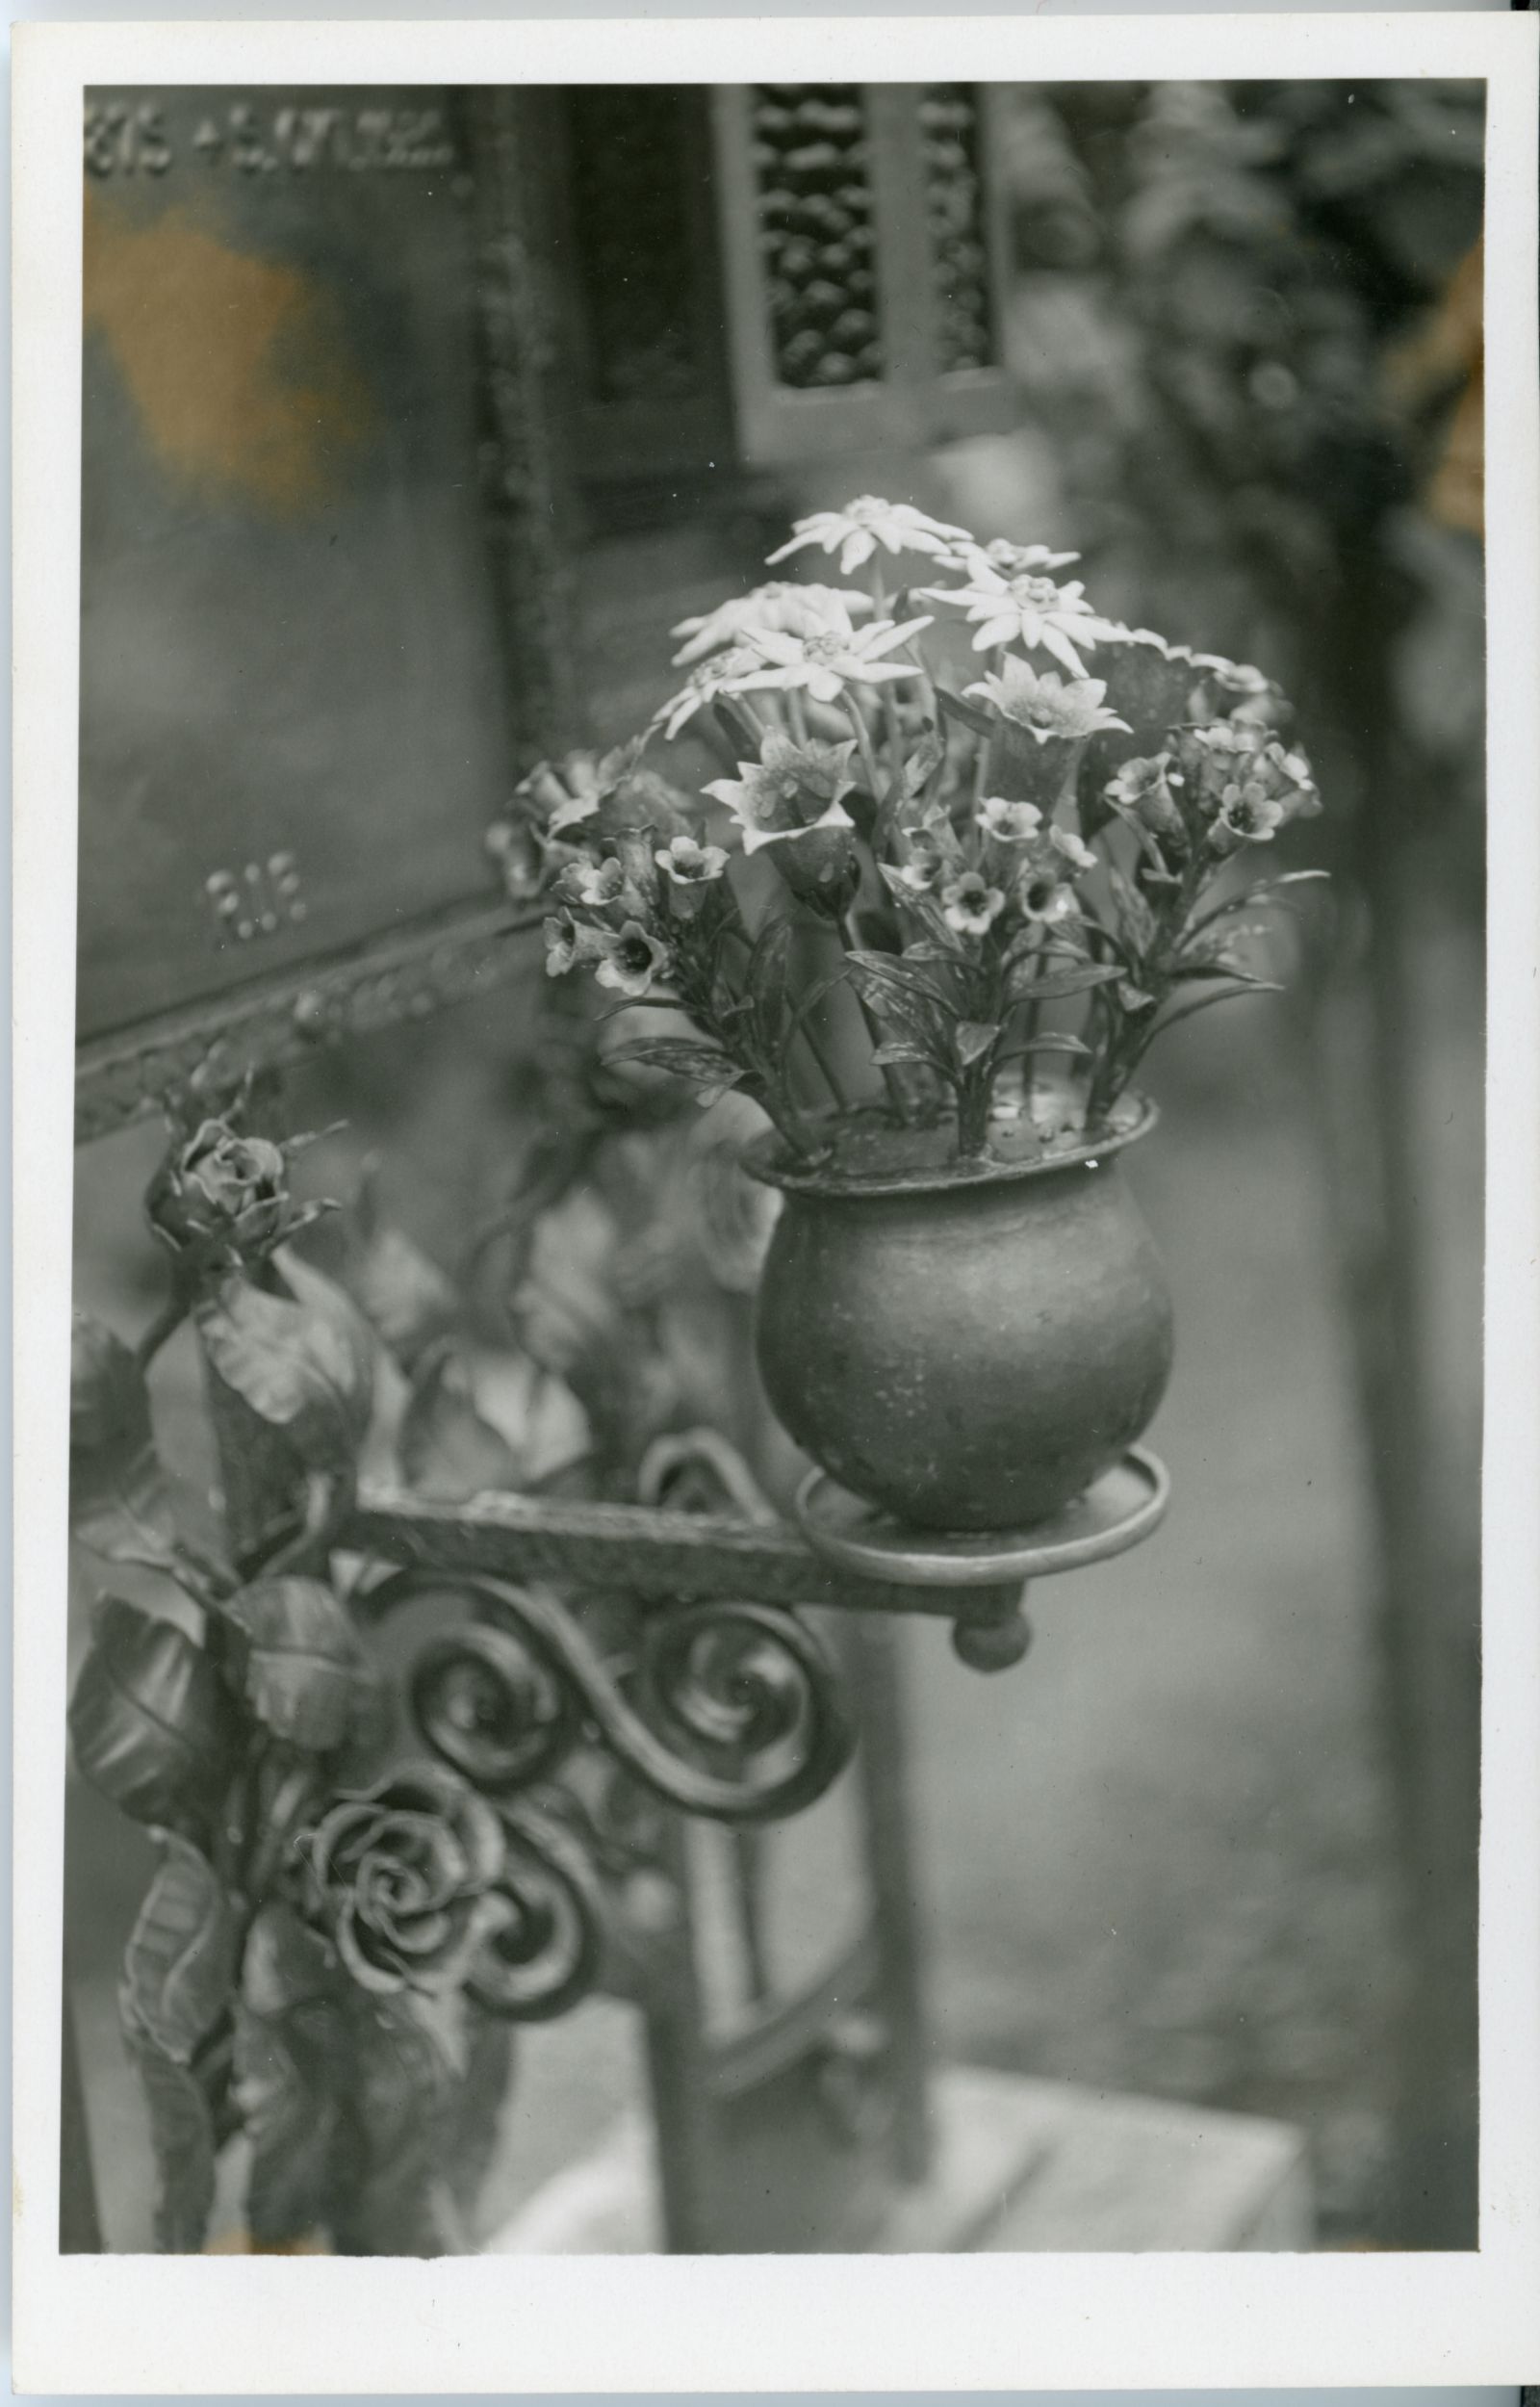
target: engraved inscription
257 901
127 137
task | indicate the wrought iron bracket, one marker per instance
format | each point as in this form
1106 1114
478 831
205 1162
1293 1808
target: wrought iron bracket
721 1701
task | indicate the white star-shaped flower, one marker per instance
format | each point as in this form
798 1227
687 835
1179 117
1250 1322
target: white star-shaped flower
823 663
780 606
856 532
1025 608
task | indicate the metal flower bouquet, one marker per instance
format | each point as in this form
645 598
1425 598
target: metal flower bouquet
969 854
974 850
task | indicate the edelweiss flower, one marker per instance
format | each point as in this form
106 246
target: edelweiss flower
1234 677
703 686
1017 559
825 662
856 530
789 790
1010 822
1118 633
631 960
1045 706
785 607
1027 610
971 904
685 862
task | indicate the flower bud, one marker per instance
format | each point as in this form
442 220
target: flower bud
223 1196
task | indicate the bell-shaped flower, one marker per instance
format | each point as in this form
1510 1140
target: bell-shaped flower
856 532
1009 822
685 862
1249 813
568 947
970 905
631 959
789 790
1143 791
596 885
1045 706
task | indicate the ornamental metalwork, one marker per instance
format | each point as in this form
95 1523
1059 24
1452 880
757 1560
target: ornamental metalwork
957 224
811 161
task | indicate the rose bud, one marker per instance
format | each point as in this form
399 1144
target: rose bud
221 1195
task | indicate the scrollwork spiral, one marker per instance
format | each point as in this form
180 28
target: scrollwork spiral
493 1708
750 1689
731 1710
549 1953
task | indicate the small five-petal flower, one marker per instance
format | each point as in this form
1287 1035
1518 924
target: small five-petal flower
631 960
970 905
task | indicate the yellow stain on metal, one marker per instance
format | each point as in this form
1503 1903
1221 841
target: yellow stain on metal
238 367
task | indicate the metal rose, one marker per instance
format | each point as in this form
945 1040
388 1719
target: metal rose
401 1877
223 1196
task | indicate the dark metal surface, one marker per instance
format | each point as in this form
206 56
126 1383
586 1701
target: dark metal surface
673 1557
405 974
970 1357
1126 1505
321 526
863 259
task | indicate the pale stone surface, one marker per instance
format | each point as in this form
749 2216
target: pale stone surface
1020 2166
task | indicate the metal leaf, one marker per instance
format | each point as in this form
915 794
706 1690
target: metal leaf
303 1362
149 1720
299 1660
179 1967
447 1450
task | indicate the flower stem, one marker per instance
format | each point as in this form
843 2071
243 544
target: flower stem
984 753
167 1322
891 1077
826 1069
868 758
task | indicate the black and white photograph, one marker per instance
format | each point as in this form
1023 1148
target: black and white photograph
781 846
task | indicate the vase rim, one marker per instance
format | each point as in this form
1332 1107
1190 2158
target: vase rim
766 1159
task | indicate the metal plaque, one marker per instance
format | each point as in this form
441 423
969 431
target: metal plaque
294 706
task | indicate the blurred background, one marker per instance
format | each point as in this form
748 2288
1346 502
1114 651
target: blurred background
1215 1842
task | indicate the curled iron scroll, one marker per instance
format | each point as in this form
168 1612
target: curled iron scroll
549 1953
737 1710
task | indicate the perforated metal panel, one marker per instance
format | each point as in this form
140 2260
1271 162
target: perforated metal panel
862 257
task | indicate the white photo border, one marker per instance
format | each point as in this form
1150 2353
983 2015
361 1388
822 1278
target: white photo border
987 2322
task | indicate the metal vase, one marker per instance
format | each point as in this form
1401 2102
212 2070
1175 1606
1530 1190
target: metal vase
967 1347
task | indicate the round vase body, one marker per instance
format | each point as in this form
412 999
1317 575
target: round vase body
969 1350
